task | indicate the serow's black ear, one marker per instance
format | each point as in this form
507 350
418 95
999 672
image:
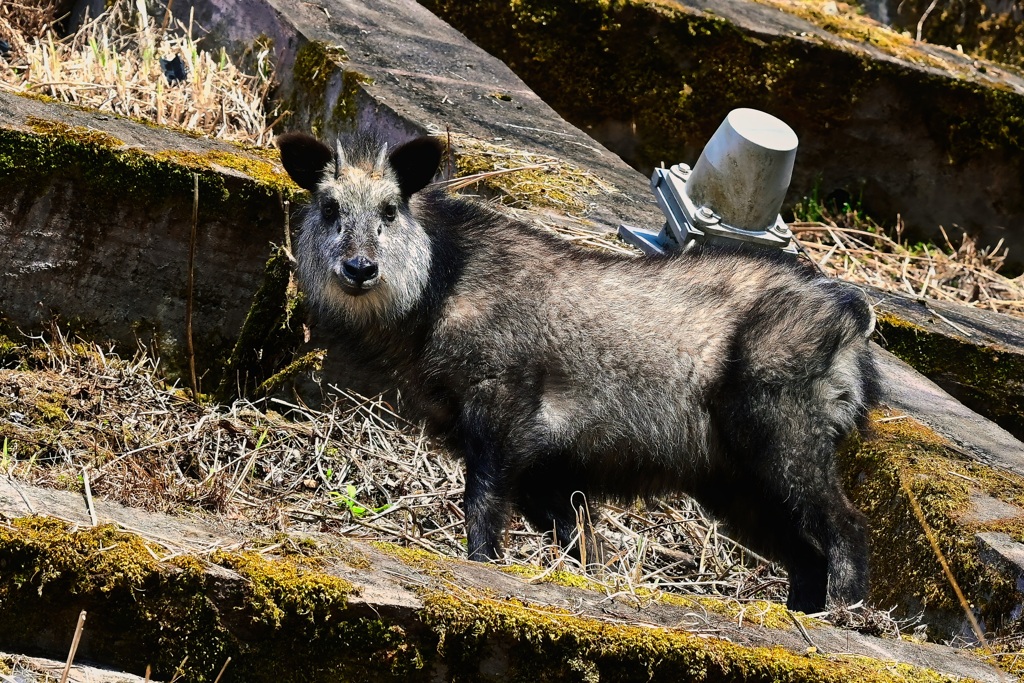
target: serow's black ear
304 158
415 163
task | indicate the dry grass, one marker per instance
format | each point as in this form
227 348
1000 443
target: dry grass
113 64
22 19
353 467
849 246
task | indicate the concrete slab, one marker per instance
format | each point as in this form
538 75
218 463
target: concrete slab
95 222
392 589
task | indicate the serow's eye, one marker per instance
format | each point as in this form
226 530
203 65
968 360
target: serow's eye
390 212
329 210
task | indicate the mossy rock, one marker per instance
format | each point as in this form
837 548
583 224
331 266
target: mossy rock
291 618
652 80
278 618
902 458
95 228
987 30
977 356
324 90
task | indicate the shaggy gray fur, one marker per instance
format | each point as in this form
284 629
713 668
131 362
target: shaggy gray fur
730 376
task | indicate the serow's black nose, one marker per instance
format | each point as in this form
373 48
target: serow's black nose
359 269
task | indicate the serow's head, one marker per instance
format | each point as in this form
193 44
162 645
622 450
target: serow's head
361 253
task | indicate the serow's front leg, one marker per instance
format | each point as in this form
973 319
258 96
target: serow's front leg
486 516
486 500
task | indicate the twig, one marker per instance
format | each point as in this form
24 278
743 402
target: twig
177 672
88 496
466 181
248 466
803 631
448 152
74 647
191 287
288 230
226 662
919 513
21 493
920 24
949 322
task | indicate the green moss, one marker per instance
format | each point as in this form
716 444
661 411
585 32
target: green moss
428 562
84 135
310 362
1014 528
757 612
346 107
315 63
33 159
986 378
50 407
862 30
261 170
982 29
73 558
278 589
559 578
317 67
876 469
537 181
285 619
10 352
554 645
111 169
278 618
52 154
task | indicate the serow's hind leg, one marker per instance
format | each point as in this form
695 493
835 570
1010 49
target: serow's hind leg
789 451
808 577
828 561
847 553
486 516
762 516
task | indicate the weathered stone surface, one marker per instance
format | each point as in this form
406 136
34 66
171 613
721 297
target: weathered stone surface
95 221
414 595
963 508
975 355
393 67
914 130
906 390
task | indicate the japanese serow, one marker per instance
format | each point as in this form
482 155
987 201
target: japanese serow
550 369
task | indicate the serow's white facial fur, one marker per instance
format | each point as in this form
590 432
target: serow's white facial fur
361 253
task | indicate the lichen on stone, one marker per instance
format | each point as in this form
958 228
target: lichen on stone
318 67
878 470
545 644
